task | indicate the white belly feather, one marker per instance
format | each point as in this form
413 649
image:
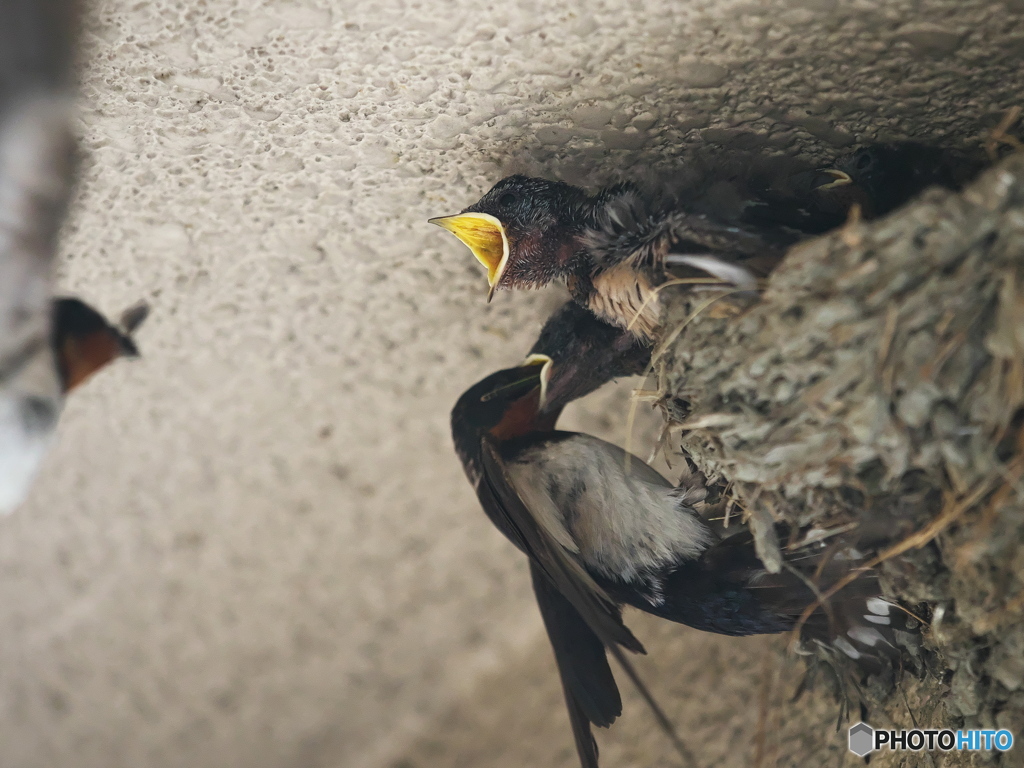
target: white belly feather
620 524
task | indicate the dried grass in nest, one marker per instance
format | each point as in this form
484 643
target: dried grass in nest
878 382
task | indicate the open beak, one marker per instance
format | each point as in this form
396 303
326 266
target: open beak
535 370
841 179
485 237
545 374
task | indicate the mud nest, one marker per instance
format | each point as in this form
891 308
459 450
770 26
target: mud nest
875 388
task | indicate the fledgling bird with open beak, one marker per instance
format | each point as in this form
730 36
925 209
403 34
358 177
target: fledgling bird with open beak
81 342
611 249
615 248
876 178
601 532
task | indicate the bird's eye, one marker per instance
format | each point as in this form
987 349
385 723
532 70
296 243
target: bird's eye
507 199
863 162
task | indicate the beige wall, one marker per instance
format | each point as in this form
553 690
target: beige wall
254 547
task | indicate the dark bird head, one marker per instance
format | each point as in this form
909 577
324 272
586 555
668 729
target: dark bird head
894 173
876 182
504 405
585 354
524 231
879 166
872 167
84 342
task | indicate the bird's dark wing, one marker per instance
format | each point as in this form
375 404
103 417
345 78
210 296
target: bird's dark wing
591 602
630 228
856 620
743 254
785 594
734 561
591 695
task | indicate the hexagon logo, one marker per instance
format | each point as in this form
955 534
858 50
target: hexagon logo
862 739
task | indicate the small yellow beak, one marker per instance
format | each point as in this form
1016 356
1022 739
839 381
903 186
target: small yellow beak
841 179
485 237
545 374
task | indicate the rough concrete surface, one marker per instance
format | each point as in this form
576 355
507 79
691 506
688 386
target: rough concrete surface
254 547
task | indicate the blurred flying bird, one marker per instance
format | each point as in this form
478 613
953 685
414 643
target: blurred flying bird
81 342
37 48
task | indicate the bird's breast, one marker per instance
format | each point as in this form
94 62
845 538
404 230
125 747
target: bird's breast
625 297
620 524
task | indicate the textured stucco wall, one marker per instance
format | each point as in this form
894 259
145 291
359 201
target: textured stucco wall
254 547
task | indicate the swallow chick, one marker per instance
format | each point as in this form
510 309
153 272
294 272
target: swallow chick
610 249
602 529
882 177
614 249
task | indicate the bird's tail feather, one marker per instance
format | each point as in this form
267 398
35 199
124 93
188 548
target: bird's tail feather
857 620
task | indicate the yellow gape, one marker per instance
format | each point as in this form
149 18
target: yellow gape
485 237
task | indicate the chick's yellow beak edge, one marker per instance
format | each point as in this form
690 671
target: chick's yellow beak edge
485 236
